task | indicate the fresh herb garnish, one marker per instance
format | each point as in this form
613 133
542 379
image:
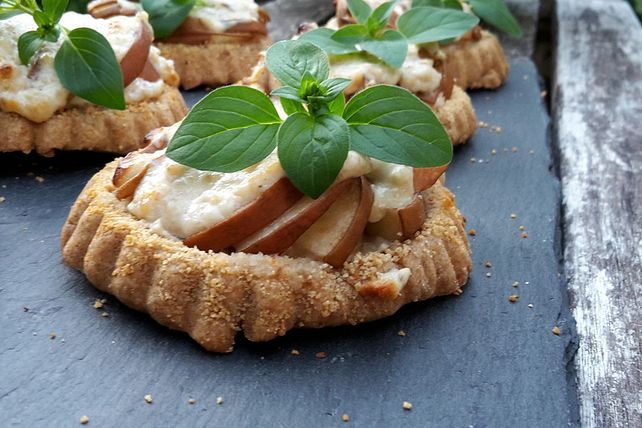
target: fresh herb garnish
372 36
85 63
493 12
165 16
235 127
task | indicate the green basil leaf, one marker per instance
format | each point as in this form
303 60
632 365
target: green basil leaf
430 24
312 150
287 92
232 128
165 16
495 13
322 37
79 6
350 35
337 105
289 60
54 9
450 4
87 66
335 86
381 15
360 10
391 48
291 107
28 44
391 124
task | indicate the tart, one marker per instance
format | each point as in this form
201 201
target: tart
38 113
217 44
264 259
475 60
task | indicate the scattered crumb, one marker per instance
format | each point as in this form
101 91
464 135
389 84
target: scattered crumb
99 303
295 352
219 400
84 420
514 150
2 199
148 399
483 124
52 336
496 129
530 305
526 77
458 292
472 232
40 179
513 216
345 417
321 355
522 228
488 264
513 298
556 331
407 405
524 235
401 333
493 152
527 282
531 152
543 94
191 401
104 314
488 274
473 160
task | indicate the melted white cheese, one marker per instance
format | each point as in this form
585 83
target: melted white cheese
35 92
181 201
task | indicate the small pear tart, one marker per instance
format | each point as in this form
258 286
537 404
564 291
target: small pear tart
213 254
475 60
38 113
217 44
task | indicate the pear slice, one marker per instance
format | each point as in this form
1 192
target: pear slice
337 233
424 178
269 206
130 172
134 61
284 231
402 223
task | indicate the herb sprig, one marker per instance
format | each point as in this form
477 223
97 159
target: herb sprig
235 127
372 36
85 62
493 12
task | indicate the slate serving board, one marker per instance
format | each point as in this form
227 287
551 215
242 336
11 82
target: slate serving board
473 360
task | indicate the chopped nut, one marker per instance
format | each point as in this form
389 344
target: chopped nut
40 179
524 235
513 216
522 228
513 298
493 152
401 333
515 284
472 232
514 150
345 418
219 400
321 355
84 420
407 405
148 399
295 352
98 304
105 314
191 401
543 94
556 331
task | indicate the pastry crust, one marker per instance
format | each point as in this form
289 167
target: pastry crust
212 296
477 63
92 127
223 60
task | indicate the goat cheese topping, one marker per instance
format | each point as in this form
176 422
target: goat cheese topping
182 201
35 92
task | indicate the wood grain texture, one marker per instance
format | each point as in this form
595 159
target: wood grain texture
598 112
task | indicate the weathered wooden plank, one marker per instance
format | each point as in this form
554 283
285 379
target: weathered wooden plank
598 111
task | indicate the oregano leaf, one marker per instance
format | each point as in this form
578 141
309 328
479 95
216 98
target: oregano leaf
495 13
322 37
380 16
289 61
360 10
391 47
54 9
351 35
431 24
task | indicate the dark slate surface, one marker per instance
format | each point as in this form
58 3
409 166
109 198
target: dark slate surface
473 360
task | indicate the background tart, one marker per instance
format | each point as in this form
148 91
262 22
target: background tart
212 296
209 48
38 113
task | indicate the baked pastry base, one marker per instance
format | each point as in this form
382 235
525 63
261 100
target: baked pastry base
221 61
213 296
92 127
458 116
477 64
